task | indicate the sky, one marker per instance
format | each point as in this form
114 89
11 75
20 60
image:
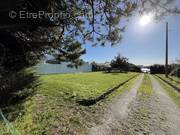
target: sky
143 45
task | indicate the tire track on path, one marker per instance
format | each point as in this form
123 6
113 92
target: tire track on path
118 111
168 107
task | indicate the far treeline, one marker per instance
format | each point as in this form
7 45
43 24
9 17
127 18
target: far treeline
118 64
121 64
173 69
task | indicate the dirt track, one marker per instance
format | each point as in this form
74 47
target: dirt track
117 112
130 115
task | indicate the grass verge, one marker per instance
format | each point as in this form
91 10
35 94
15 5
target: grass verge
170 91
173 80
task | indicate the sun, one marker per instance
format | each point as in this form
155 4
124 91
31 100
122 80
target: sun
145 19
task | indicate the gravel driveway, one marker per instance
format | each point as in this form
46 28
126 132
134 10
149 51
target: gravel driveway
130 115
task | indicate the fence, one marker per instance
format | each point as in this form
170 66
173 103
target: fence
45 68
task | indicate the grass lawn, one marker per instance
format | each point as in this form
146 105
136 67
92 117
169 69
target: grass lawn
80 85
175 95
53 108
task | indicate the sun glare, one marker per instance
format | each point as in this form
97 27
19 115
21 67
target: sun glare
145 19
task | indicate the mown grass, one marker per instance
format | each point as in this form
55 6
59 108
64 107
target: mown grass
53 109
80 85
175 95
122 89
145 89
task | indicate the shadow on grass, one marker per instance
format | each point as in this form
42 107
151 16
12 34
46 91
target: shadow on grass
92 101
14 91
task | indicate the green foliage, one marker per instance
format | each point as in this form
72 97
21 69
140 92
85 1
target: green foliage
24 41
120 63
175 69
17 86
100 67
94 66
157 69
134 68
178 73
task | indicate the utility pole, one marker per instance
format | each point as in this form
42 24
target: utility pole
166 54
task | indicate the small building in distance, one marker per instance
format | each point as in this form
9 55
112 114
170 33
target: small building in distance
145 70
